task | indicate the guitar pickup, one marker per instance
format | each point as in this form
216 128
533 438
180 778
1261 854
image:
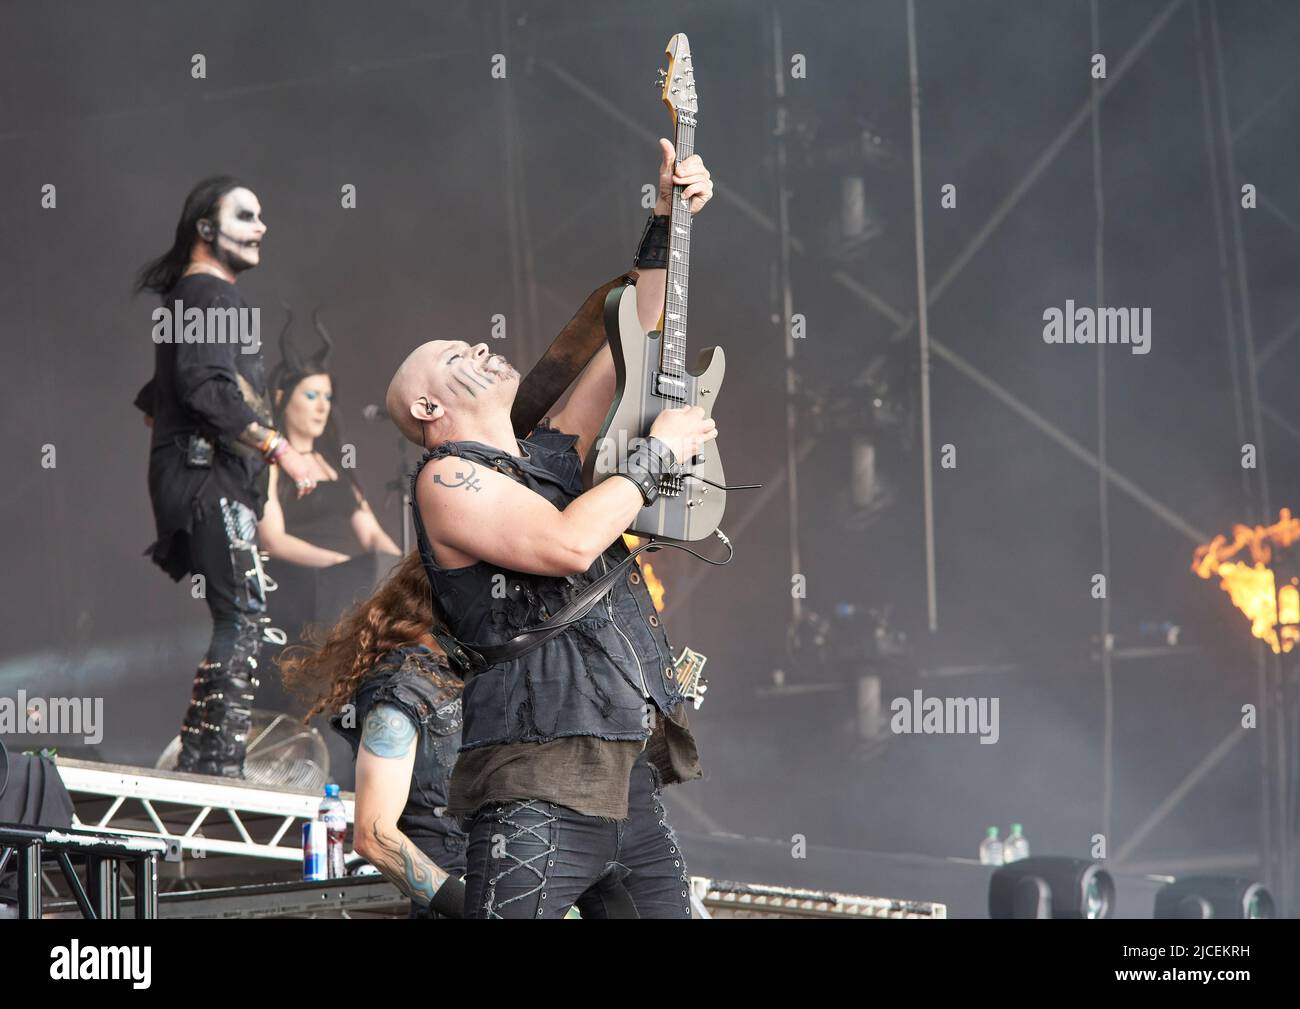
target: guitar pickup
670 386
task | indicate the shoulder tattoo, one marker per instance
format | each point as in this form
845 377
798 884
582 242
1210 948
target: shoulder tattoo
465 478
388 731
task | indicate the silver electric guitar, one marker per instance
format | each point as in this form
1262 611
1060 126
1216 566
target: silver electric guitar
651 369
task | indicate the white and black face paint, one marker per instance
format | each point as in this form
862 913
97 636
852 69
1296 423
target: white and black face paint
468 372
237 240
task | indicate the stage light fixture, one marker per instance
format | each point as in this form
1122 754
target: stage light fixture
1050 886
1214 897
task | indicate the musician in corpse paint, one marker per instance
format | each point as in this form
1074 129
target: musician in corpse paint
565 748
211 444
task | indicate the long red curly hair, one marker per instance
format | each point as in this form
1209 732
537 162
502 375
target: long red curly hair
327 670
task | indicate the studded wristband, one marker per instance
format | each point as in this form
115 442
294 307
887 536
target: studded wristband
667 459
644 467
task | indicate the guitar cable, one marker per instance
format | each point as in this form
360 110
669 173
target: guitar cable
733 486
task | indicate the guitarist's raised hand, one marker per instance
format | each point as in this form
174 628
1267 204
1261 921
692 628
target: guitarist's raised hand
691 173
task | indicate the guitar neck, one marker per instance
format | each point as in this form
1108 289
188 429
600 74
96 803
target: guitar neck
672 355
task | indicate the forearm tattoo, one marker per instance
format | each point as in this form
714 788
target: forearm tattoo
410 869
388 732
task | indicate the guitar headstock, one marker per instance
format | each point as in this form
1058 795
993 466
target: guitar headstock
679 78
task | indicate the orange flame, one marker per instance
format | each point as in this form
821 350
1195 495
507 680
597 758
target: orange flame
1251 586
652 581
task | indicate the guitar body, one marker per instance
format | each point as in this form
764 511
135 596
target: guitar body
686 509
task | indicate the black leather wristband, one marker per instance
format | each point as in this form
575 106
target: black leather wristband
667 458
652 253
651 460
645 483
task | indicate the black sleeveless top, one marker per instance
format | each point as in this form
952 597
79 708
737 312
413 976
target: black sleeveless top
403 679
324 517
609 675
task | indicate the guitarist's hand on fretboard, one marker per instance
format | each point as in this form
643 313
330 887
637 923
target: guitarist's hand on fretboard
691 174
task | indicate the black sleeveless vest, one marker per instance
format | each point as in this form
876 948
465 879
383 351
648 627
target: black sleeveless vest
400 678
604 676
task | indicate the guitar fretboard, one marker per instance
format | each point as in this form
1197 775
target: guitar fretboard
672 355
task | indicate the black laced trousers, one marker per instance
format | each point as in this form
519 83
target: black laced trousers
534 859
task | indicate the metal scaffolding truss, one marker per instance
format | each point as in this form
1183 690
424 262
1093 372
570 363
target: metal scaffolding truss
104 858
251 821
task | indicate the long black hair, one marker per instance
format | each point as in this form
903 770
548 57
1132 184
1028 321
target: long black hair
284 381
160 275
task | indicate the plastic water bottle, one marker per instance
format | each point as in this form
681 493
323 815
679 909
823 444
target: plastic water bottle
336 829
991 848
1017 846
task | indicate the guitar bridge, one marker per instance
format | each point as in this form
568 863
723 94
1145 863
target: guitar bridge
671 387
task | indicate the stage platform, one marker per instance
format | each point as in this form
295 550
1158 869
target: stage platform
233 850
226 836
374 897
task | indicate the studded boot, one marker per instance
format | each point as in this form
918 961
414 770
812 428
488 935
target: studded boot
228 708
192 724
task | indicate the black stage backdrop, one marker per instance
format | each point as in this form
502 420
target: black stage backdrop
479 196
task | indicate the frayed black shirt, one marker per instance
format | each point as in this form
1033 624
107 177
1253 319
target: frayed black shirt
211 389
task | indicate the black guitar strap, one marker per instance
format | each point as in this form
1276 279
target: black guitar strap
471 659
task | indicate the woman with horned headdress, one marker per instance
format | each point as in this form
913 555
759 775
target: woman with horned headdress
335 523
